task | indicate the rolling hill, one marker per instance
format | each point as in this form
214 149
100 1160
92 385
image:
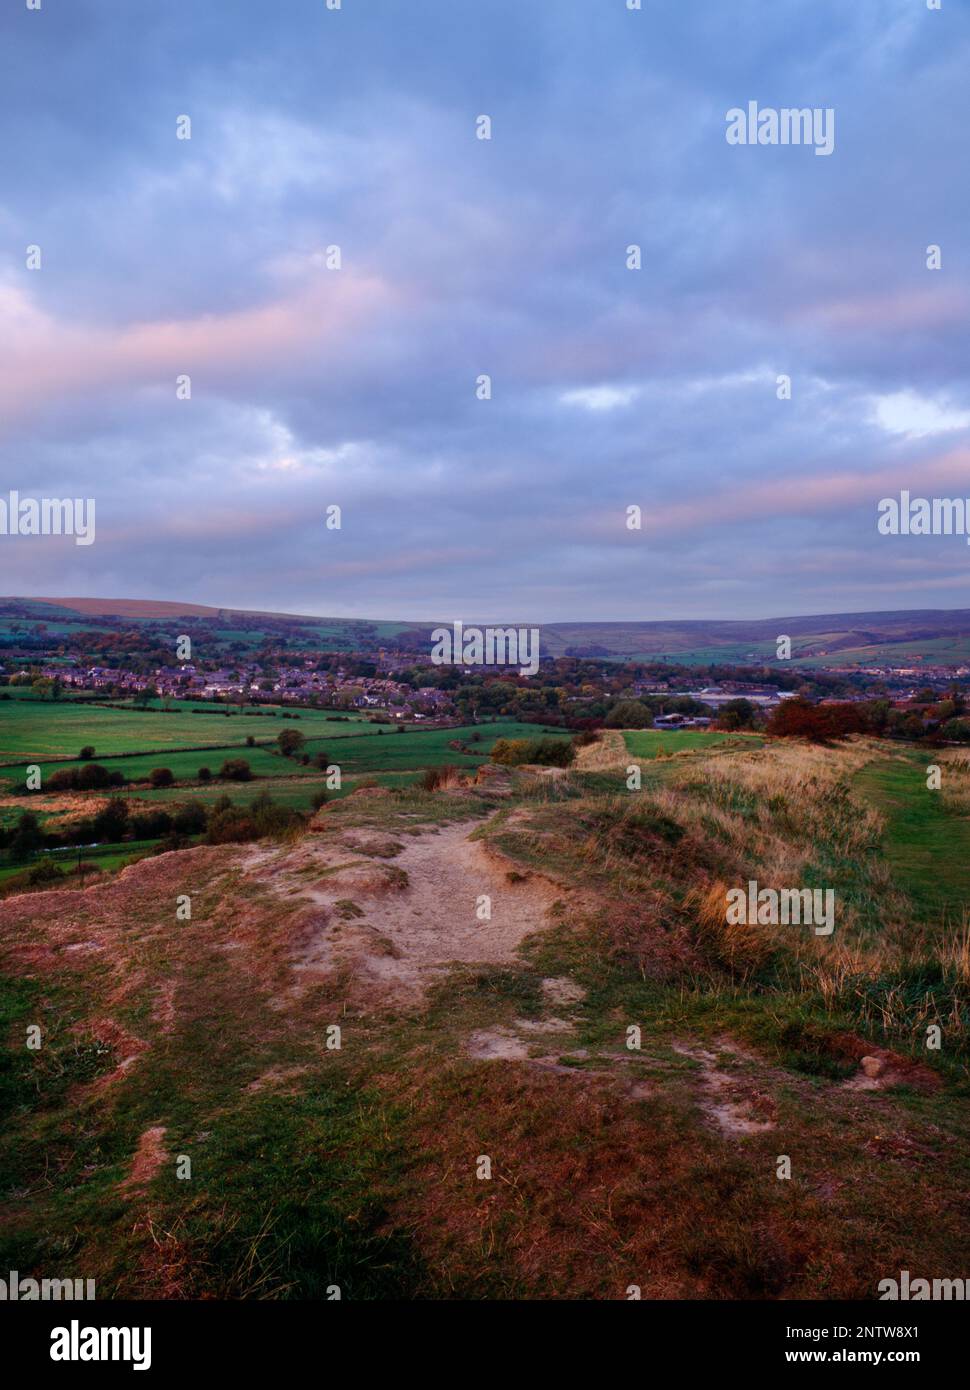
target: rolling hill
913 636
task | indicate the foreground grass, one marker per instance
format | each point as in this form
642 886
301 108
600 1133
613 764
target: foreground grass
927 840
358 1167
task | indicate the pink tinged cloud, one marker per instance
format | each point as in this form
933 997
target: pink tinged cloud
43 359
821 495
920 310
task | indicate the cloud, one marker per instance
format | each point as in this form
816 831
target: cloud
599 398
915 416
610 386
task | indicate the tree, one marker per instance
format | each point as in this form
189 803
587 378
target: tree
111 821
799 718
86 753
27 837
736 714
236 770
92 776
161 777
629 714
290 742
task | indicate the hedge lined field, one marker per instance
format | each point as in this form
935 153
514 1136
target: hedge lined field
381 749
44 730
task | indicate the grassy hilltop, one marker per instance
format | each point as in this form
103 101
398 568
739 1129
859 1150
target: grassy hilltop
507 1038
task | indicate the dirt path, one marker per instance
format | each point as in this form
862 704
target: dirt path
609 751
400 920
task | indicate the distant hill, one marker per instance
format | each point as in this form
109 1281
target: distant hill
901 636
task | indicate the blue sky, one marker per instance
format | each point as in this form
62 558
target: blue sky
610 387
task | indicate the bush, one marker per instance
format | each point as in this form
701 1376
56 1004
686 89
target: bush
230 827
44 872
27 838
234 824
318 799
189 819
290 742
150 825
798 718
205 774
86 753
161 777
93 776
434 777
546 752
63 781
236 770
629 714
111 821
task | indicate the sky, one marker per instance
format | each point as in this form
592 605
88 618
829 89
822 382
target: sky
357 387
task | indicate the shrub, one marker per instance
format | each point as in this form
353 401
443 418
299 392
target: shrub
86 753
230 827
111 821
546 752
189 819
161 777
236 770
149 825
264 817
28 837
629 714
92 776
434 777
798 718
290 742
205 774
63 781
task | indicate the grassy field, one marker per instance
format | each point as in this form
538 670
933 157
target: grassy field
42 731
648 743
926 844
612 1164
295 792
381 749
106 857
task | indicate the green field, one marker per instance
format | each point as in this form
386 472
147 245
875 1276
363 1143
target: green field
926 845
381 749
106 857
296 793
647 743
41 731
934 651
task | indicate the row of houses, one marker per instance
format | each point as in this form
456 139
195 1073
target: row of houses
292 683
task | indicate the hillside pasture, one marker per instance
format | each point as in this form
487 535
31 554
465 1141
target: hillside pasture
45 730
